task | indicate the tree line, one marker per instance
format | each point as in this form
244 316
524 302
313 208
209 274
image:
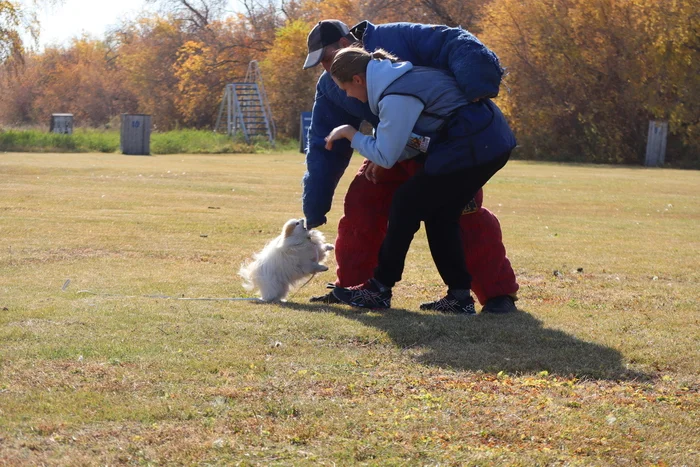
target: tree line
584 77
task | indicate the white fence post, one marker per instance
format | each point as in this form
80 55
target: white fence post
656 143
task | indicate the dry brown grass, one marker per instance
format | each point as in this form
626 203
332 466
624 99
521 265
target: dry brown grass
599 368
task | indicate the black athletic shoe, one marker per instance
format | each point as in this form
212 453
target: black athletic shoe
449 304
367 295
328 299
500 305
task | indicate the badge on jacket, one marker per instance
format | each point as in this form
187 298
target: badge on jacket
418 142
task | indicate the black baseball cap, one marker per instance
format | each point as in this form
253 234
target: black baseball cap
325 33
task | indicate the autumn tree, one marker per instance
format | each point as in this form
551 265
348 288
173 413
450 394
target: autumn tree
15 18
10 22
196 14
18 91
212 50
669 84
585 76
465 13
289 87
203 68
264 18
18 17
80 79
147 53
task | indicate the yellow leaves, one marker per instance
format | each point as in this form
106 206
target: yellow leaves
290 43
344 10
193 47
422 395
192 60
535 383
428 399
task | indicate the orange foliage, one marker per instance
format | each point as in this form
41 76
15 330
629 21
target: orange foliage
147 54
585 76
80 79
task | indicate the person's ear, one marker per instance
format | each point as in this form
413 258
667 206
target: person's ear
358 79
344 42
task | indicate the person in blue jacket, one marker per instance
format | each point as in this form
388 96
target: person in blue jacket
422 113
366 208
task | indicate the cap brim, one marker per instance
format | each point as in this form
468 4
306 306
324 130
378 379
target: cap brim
313 58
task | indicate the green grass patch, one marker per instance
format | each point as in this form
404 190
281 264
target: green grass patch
600 366
38 141
107 141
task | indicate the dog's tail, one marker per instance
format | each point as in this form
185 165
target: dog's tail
246 272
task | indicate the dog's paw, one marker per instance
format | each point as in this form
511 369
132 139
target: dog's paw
328 247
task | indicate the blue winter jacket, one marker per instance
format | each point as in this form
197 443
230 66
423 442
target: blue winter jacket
475 67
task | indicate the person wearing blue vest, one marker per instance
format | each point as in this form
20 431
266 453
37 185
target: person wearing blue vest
367 202
422 113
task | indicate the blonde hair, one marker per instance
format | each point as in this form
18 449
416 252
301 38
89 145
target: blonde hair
352 61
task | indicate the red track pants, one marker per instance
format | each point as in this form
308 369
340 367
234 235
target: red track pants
363 226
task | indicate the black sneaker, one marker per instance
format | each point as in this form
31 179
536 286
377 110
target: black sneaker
449 304
328 299
367 295
500 305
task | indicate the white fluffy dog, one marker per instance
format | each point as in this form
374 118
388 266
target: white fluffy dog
292 256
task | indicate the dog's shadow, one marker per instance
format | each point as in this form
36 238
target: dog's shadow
514 343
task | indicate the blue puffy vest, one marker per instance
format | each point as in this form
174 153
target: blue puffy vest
462 134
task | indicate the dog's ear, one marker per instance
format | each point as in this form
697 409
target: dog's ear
289 227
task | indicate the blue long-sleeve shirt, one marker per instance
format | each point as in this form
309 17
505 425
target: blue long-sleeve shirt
475 67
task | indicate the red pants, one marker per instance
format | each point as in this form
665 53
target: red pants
362 228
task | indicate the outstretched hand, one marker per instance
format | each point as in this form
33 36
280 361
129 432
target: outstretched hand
343 131
374 172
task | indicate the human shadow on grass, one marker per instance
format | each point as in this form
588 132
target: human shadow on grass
514 343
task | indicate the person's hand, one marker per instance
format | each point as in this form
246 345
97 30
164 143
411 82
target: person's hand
373 172
344 131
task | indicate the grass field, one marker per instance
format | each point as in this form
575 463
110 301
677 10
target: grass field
107 141
600 366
